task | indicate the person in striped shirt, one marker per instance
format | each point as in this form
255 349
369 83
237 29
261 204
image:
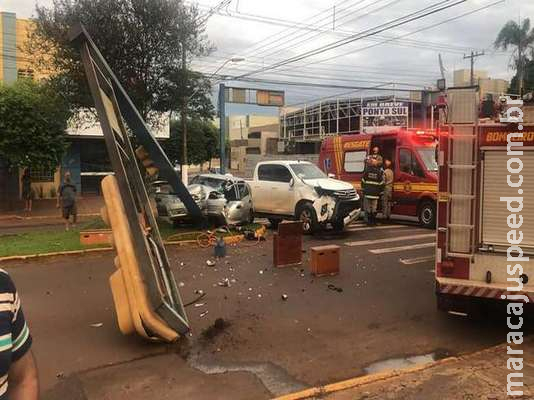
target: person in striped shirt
18 373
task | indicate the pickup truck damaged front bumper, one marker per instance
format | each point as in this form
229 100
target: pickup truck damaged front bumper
330 209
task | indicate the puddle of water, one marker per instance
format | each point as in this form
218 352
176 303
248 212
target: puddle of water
400 363
275 379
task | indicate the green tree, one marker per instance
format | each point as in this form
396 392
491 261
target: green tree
33 121
528 78
142 40
202 143
521 38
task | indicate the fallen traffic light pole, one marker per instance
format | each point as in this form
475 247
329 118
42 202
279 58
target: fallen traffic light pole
145 294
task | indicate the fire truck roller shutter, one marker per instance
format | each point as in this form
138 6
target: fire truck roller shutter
494 211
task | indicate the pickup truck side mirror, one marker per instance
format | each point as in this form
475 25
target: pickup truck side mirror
332 176
291 182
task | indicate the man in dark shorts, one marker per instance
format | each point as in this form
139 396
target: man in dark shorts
18 373
67 199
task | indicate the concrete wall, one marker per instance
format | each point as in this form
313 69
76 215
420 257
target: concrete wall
252 159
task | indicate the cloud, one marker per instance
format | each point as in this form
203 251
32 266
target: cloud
263 44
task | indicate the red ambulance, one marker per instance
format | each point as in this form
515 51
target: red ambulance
413 156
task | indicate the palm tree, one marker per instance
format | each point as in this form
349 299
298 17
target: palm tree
521 37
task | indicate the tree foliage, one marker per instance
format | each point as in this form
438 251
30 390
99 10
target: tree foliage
33 121
142 40
202 141
528 78
520 37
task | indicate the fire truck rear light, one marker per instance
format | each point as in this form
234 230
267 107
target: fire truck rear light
420 132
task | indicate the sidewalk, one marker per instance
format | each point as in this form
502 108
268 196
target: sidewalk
46 215
46 208
482 375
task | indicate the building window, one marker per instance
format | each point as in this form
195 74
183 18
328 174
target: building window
25 73
42 174
355 161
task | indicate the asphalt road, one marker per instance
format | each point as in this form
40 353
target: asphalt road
386 309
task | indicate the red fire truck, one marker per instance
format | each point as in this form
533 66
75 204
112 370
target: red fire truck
485 200
413 154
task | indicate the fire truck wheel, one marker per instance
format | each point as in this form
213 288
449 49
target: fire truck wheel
441 303
427 214
307 215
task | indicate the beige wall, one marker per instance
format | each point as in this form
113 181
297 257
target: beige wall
46 187
462 77
239 125
493 86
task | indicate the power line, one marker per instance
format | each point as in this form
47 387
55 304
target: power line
373 31
310 20
406 34
319 85
294 40
472 58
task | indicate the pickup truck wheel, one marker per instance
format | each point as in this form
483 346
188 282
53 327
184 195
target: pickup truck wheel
307 215
274 223
339 226
427 214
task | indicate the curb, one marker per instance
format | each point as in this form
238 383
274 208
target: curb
380 376
56 253
360 381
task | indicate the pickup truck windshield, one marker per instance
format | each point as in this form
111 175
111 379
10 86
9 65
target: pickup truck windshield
307 171
428 155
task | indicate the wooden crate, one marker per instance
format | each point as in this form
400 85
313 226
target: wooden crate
324 260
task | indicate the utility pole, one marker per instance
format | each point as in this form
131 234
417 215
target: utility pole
472 57
222 123
185 165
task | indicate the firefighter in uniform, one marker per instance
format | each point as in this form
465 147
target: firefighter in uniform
372 187
388 189
375 155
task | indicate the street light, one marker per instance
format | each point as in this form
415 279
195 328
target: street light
184 167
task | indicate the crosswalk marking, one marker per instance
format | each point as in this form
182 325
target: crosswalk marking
402 248
387 240
416 260
353 228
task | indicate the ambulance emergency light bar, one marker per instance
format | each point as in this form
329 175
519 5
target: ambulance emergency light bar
144 290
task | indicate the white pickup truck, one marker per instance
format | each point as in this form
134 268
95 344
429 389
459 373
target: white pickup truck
300 190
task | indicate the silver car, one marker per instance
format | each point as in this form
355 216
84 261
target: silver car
221 198
227 199
169 205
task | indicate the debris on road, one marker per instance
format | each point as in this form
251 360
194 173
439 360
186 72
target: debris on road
224 283
200 304
284 297
203 314
217 328
97 325
335 288
210 263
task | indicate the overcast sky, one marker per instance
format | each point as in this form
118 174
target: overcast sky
258 31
